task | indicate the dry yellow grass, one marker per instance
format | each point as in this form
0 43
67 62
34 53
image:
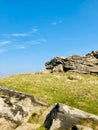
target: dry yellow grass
77 90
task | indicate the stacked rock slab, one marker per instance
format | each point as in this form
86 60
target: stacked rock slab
87 64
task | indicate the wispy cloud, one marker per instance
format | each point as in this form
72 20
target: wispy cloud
25 34
38 41
15 35
19 34
20 47
57 22
4 43
22 41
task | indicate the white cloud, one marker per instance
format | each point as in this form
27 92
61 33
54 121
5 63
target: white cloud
19 34
4 42
22 40
57 22
26 34
37 41
20 47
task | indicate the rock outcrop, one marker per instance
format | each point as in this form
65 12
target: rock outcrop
16 108
87 64
63 117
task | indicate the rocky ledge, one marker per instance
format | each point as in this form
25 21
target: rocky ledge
87 64
19 111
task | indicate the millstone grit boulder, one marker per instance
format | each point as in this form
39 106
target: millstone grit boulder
63 117
16 108
87 64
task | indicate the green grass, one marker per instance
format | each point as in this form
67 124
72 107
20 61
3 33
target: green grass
80 92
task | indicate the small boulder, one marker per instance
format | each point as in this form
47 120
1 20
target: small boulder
16 107
58 68
60 116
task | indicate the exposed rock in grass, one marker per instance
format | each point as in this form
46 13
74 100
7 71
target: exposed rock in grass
73 77
21 111
16 107
82 64
63 117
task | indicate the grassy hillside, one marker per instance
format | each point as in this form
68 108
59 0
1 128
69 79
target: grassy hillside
77 90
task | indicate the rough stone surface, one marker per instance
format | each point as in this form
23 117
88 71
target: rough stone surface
7 125
16 108
58 68
93 53
81 127
28 126
87 64
63 117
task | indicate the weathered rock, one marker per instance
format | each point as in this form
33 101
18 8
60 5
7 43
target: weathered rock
74 77
93 53
28 126
7 125
50 65
81 127
82 64
58 68
16 107
60 116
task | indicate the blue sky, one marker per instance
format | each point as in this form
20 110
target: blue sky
34 31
